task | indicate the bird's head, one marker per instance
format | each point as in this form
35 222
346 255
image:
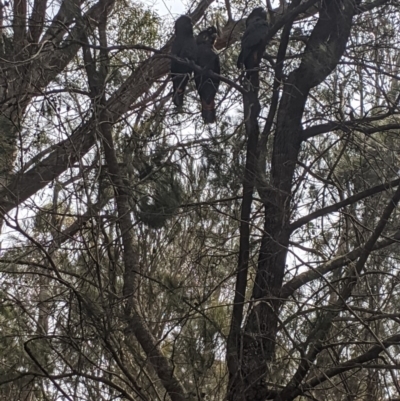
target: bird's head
208 35
257 13
183 25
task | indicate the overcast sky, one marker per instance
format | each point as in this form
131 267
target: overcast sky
168 8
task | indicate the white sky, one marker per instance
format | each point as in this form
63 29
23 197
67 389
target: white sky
168 8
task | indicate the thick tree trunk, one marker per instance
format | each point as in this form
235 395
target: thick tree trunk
323 51
252 108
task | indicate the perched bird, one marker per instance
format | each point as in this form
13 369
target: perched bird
207 86
254 40
184 46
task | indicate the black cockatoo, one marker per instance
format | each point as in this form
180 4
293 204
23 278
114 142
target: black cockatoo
208 59
184 46
254 40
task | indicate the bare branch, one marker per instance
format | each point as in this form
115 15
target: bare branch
349 201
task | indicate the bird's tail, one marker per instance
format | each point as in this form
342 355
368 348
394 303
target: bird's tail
239 62
179 84
178 98
208 112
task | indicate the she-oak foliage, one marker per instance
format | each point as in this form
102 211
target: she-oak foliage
148 256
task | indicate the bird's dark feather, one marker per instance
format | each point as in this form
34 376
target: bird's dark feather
184 46
254 39
207 86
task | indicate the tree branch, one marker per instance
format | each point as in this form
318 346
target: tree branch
36 20
294 284
19 24
357 362
337 206
360 125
